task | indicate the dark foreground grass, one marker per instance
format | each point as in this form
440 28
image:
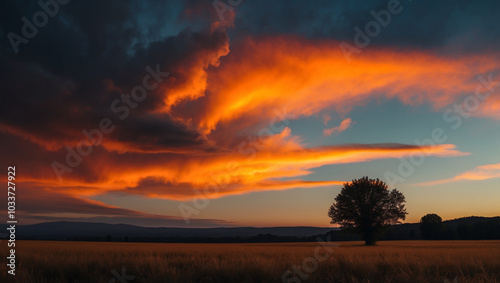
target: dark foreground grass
391 261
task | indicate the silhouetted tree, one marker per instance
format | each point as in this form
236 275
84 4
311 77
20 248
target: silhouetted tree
431 226
367 207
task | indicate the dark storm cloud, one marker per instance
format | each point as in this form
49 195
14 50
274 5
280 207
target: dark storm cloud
66 78
465 25
158 132
156 186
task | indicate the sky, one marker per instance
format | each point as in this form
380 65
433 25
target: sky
247 113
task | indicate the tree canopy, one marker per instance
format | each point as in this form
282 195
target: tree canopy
431 226
367 207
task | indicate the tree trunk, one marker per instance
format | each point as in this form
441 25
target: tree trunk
369 236
370 242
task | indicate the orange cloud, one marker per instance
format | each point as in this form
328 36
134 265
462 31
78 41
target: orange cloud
490 109
308 77
259 166
214 95
483 172
344 125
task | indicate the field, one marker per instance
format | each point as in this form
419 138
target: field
390 261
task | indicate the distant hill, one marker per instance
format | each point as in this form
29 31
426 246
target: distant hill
467 228
470 220
97 231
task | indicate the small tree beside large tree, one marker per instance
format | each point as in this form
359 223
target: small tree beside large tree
431 226
366 206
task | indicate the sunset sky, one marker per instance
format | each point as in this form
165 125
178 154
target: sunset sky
207 114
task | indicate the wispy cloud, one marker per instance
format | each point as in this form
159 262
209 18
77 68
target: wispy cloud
264 73
483 172
344 125
257 167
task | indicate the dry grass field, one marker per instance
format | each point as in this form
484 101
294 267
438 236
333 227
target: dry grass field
391 261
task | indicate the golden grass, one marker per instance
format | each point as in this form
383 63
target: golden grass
391 261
